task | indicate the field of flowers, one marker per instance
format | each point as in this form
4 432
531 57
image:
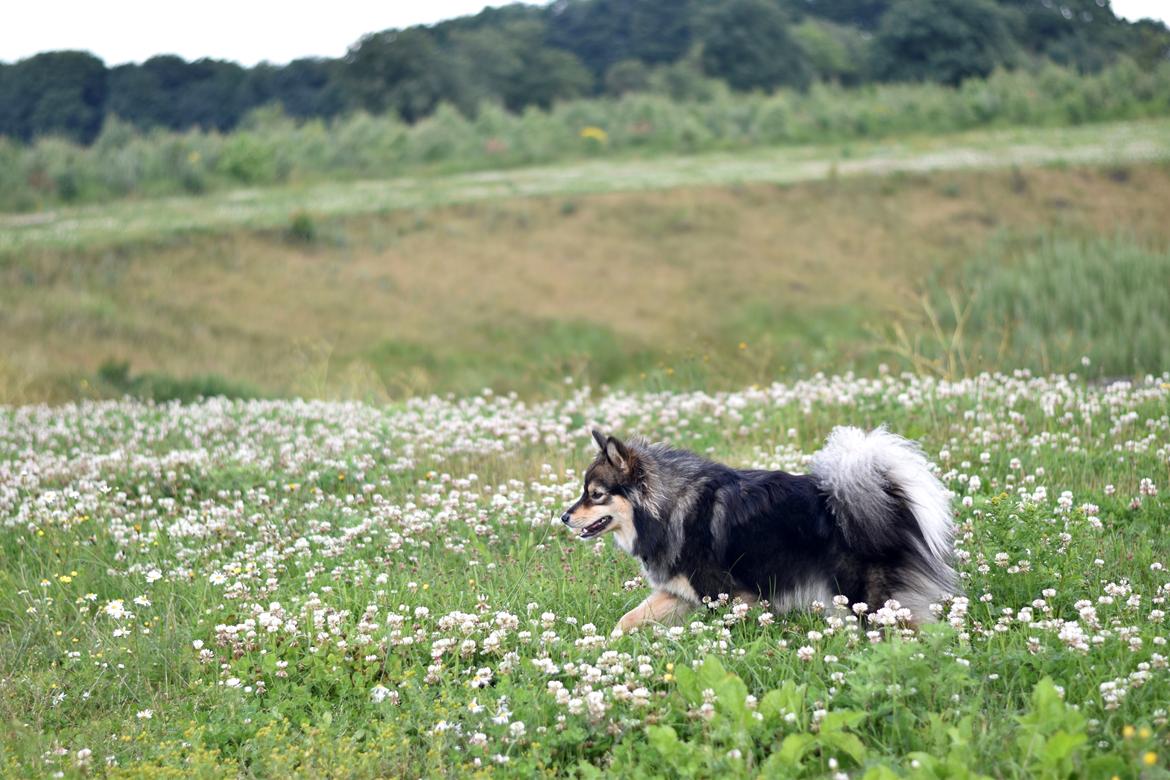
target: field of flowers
297 588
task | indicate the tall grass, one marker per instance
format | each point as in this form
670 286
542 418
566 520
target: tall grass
1098 307
270 148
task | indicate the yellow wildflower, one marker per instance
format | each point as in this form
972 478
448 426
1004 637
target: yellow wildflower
595 133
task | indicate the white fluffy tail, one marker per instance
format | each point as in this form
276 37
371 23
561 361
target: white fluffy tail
872 480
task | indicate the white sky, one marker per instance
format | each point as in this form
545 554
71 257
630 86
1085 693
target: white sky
247 31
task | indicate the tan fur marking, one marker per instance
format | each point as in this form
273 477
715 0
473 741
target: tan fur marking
680 586
747 596
659 607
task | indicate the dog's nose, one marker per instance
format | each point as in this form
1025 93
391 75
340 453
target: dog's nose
565 518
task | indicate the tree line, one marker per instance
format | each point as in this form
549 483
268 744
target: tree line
519 56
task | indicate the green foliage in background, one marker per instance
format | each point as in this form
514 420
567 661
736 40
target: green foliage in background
520 56
114 379
1098 307
748 44
942 40
695 114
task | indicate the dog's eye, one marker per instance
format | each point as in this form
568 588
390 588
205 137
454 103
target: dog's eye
597 495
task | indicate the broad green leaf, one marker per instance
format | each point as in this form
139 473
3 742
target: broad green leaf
789 697
732 698
711 671
846 743
1106 766
587 771
1061 746
839 719
688 685
928 765
662 737
1047 706
793 748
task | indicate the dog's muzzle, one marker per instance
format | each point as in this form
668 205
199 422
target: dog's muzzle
595 528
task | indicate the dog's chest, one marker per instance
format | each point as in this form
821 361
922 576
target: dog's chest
656 576
624 537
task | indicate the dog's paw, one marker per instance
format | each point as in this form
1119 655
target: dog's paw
629 622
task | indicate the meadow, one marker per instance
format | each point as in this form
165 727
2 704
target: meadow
205 575
305 588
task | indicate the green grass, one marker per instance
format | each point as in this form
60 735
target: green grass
1096 306
115 379
168 219
367 525
1092 306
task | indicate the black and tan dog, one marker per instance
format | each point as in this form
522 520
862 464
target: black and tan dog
870 522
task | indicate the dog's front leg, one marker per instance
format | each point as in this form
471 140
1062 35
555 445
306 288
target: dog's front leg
658 607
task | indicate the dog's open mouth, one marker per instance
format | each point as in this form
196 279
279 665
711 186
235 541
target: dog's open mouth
593 529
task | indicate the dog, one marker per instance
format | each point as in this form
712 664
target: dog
869 522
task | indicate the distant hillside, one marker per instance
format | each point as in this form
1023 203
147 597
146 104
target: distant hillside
524 55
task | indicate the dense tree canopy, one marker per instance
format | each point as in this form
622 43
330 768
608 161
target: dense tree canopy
748 45
304 88
528 55
62 90
865 14
403 71
169 92
942 40
602 33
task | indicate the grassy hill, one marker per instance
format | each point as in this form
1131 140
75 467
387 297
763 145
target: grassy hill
709 271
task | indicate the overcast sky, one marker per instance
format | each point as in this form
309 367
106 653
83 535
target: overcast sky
247 31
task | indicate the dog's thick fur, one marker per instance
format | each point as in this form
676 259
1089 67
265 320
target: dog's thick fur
870 522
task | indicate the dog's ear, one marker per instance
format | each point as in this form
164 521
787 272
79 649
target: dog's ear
599 437
618 455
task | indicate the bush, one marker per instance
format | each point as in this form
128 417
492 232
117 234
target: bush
249 159
114 378
301 228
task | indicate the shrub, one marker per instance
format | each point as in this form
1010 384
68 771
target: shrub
301 228
114 378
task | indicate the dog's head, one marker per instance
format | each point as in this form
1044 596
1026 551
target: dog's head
605 504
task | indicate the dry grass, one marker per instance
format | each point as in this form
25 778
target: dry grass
517 293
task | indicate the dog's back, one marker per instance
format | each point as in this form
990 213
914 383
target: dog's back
869 522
